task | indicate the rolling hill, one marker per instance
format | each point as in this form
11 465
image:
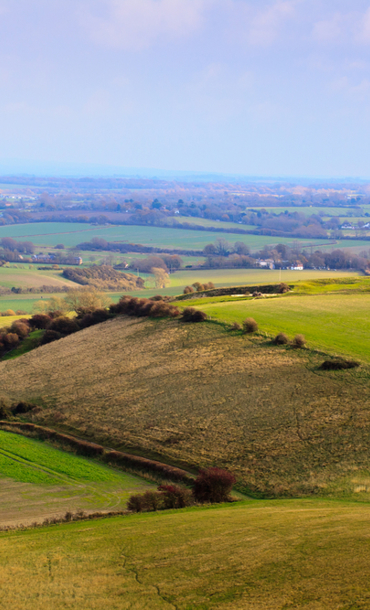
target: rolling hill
201 395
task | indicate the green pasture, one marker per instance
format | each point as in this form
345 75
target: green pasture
334 323
207 222
38 480
27 460
307 554
71 234
308 210
28 276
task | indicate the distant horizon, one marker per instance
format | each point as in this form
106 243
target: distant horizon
40 169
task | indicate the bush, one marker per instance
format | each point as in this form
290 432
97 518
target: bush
281 339
20 328
283 288
152 500
10 340
136 503
64 325
40 321
9 312
213 485
49 336
190 314
22 407
299 341
20 312
236 326
95 317
175 496
338 364
188 289
250 325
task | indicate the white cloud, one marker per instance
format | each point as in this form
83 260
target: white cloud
267 24
364 29
137 24
329 30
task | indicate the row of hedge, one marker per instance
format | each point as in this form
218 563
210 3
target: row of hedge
94 450
56 325
212 485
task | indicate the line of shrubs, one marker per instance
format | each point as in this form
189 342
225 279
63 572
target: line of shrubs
250 326
115 458
56 325
212 485
198 287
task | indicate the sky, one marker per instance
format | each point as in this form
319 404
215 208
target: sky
252 87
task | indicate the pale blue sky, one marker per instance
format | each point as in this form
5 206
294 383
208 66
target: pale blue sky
236 86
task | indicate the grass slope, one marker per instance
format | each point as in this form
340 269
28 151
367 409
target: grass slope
257 555
38 480
200 395
335 323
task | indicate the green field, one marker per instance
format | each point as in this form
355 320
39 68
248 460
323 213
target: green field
335 323
253 555
71 234
54 481
23 276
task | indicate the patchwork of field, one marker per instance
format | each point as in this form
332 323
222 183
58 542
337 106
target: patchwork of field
254 555
39 481
200 395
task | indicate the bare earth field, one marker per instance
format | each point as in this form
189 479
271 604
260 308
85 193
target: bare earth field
202 395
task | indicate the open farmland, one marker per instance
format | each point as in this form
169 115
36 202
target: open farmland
71 234
39 481
254 555
23 276
116 382
335 323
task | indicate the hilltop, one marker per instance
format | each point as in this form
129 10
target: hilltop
199 395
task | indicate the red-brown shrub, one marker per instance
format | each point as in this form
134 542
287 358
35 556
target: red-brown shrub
10 340
136 503
175 496
188 289
49 336
190 314
40 320
281 339
250 325
64 325
213 485
299 341
20 328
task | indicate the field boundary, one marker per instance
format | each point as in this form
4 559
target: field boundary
110 456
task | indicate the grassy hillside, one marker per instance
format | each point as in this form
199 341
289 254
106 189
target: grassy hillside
38 481
257 555
336 323
201 395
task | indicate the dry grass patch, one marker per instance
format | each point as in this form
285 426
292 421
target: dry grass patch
194 394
